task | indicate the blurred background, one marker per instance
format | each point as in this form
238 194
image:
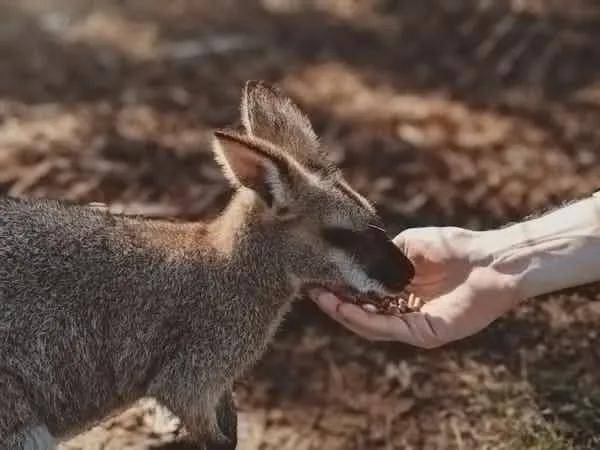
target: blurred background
471 113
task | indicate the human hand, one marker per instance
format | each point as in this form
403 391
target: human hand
455 276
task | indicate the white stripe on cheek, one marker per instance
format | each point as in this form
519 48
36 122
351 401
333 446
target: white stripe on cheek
354 276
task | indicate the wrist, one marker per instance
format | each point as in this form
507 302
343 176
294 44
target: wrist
523 254
549 253
503 251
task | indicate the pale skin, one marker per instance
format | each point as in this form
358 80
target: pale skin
468 279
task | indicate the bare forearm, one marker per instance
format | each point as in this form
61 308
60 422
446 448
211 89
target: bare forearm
550 253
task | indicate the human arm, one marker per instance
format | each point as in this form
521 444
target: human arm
553 252
468 279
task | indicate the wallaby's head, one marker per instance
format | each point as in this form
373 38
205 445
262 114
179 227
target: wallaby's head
333 231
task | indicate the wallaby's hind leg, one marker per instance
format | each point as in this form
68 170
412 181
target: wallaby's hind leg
32 438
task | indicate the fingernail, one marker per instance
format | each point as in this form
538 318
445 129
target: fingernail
324 296
327 297
368 307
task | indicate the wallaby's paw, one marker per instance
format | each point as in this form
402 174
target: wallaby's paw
165 421
30 438
227 418
38 438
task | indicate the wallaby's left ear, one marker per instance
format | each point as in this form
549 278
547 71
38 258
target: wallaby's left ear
250 163
270 115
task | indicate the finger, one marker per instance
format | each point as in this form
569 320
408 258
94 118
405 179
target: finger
411 301
411 235
400 241
365 332
415 329
439 321
325 300
378 326
451 317
410 243
332 305
423 329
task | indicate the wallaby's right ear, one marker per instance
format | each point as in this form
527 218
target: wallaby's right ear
248 162
272 116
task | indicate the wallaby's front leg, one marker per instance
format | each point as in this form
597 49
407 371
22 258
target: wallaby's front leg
209 426
227 420
206 413
20 426
32 438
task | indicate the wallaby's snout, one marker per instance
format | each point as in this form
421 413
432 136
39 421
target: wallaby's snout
379 257
376 255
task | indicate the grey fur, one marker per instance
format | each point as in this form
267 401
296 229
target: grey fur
98 310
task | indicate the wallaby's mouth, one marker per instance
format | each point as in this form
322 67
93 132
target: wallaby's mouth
372 301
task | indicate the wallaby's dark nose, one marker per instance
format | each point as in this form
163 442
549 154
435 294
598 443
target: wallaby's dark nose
388 264
404 273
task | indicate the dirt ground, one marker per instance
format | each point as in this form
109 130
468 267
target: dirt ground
468 113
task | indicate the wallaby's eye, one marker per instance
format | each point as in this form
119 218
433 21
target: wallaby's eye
354 241
340 237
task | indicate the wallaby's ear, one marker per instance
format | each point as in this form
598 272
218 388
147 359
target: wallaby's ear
270 115
250 163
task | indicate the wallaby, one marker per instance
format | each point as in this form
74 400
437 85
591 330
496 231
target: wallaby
99 310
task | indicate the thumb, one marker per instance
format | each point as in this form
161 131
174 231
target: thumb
415 242
401 241
406 239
